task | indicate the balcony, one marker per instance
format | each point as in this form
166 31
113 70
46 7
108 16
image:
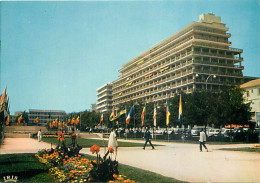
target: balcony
159 58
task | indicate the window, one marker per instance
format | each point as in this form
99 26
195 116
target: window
258 91
252 91
247 93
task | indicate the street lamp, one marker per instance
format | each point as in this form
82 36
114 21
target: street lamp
214 76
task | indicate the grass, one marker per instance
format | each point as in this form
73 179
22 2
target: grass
29 169
140 175
25 166
245 149
90 142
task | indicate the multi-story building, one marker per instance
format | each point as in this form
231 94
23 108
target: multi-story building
104 98
197 57
44 115
252 95
94 107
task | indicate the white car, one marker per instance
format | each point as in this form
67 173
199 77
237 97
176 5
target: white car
214 132
195 131
226 132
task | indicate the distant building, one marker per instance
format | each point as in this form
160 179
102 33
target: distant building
94 107
196 58
252 95
44 115
104 98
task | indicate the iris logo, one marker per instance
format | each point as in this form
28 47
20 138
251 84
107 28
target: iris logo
9 178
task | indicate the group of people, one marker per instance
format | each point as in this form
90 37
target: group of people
112 141
147 136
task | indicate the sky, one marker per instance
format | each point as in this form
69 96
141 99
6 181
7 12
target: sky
55 55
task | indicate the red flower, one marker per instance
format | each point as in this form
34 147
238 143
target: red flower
94 149
60 136
74 135
111 149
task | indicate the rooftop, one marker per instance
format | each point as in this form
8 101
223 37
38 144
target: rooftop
252 83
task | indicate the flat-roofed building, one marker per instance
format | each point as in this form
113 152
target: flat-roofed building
44 115
104 98
197 57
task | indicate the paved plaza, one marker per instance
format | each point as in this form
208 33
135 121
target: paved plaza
181 161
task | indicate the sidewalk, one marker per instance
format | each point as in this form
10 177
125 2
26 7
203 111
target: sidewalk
22 145
185 162
181 161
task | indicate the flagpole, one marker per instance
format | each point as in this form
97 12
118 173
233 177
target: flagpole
125 125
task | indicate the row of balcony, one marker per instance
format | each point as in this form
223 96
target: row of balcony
169 43
144 80
156 96
159 58
177 58
156 90
147 80
165 81
218 64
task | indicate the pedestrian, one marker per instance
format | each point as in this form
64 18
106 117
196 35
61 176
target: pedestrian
112 141
202 140
147 137
39 135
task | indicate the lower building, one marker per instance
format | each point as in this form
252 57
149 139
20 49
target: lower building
104 98
45 115
252 95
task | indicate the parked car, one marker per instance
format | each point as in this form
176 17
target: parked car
226 132
195 131
214 132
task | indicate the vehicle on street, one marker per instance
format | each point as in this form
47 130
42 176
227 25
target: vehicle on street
195 131
214 132
226 132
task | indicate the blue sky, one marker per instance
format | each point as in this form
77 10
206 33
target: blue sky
56 54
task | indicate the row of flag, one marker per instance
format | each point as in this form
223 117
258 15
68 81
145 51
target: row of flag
114 116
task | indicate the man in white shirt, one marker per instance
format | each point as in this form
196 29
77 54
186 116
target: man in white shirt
39 135
202 140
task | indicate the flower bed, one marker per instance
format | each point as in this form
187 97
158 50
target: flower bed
66 165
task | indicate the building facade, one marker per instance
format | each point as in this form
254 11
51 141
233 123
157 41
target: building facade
197 57
252 95
45 115
104 98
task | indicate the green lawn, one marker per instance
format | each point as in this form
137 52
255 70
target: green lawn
25 166
245 149
90 142
29 169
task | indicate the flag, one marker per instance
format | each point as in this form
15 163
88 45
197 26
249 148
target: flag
19 119
120 114
101 119
180 111
72 121
3 100
142 116
167 113
69 121
112 116
76 121
7 120
154 115
131 113
36 120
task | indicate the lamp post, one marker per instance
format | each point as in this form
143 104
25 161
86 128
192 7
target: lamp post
214 76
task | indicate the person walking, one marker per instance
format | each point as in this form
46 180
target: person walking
112 141
147 137
202 140
39 135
